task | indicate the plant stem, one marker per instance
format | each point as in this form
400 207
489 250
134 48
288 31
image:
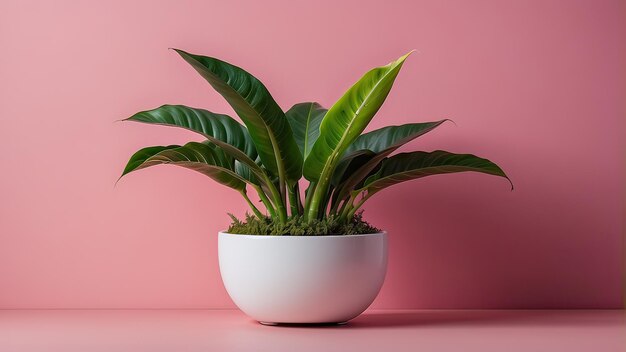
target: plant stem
341 205
316 200
280 198
322 187
313 207
359 204
266 201
283 192
339 200
307 199
298 199
324 204
278 201
293 200
334 203
256 211
345 207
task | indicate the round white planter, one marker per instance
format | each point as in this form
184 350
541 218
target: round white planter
303 279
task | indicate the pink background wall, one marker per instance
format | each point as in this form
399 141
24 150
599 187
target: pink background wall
537 86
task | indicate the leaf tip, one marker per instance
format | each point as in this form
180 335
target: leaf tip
404 57
401 59
508 179
450 120
180 52
118 179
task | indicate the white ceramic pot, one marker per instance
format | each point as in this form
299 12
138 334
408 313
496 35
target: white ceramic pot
303 279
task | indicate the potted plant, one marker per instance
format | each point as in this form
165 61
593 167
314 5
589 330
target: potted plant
303 257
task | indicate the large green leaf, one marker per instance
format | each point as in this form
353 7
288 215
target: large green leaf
409 166
221 130
342 125
265 120
195 156
348 117
381 143
392 137
305 120
142 155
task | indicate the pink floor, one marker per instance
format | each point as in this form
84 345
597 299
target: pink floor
379 330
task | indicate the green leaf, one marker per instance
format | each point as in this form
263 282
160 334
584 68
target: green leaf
409 166
265 120
142 155
392 137
305 120
245 172
342 125
351 164
348 117
381 143
195 156
221 130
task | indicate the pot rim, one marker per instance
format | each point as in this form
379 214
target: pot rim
382 233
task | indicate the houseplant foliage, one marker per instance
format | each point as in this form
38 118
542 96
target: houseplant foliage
272 151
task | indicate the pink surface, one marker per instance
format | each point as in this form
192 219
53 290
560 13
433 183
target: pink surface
537 86
383 330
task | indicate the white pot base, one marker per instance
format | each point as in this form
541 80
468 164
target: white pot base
287 280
